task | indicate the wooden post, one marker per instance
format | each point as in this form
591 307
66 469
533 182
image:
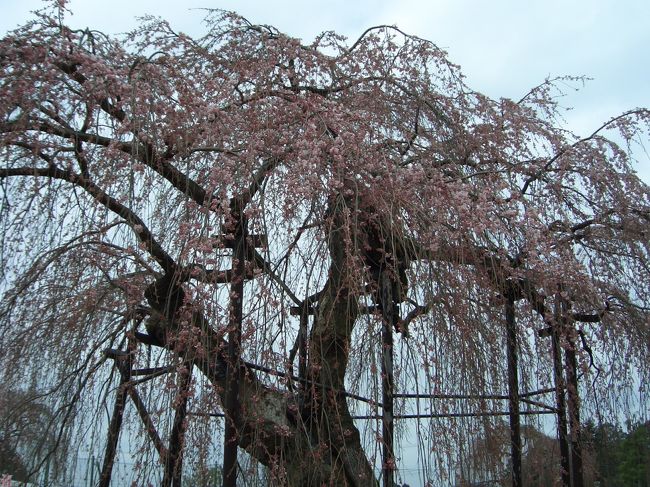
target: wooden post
174 458
302 343
231 436
560 404
388 454
513 391
123 364
573 406
148 423
238 240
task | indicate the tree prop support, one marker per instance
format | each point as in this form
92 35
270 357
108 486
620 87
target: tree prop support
241 244
387 384
170 456
123 364
513 391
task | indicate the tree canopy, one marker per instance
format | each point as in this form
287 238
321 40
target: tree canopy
245 211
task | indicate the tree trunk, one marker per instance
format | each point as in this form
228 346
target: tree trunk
307 438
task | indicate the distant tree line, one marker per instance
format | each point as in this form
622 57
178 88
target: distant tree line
613 456
622 458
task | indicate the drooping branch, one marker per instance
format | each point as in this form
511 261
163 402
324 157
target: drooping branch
143 151
565 150
263 410
72 69
503 276
101 197
140 151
